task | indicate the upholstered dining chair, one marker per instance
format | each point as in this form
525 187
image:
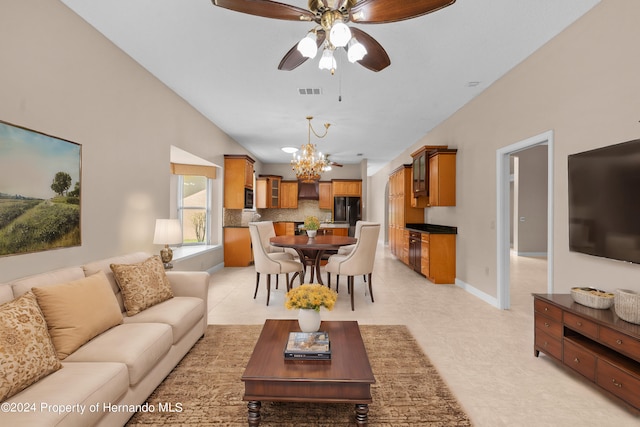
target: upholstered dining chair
359 261
267 231
276 263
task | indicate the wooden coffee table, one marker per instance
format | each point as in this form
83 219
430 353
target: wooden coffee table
346 378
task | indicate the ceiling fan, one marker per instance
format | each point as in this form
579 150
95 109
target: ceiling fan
331 162
332 32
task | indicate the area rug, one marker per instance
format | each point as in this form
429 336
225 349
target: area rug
205 388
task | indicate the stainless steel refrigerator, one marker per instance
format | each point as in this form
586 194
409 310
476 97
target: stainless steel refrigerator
347 209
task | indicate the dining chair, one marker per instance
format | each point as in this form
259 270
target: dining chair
275 263
359 261
267 231
346 250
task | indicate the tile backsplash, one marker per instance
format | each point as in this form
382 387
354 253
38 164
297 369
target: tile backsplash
241 218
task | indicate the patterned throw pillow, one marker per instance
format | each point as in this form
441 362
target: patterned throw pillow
143 285
26 351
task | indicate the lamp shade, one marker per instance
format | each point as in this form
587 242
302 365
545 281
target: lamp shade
356 51
308 46
340 34
168 232
327 62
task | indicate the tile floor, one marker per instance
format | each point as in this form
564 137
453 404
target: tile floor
484 354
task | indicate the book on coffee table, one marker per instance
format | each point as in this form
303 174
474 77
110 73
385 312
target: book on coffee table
308 346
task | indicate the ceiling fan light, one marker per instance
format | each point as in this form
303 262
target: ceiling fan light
327 62
355 51
340 34
308 46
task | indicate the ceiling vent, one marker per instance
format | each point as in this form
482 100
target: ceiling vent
310 91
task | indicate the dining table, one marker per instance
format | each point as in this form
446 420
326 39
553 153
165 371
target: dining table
311 249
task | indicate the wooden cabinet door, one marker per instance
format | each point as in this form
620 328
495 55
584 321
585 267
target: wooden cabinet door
248 174
273 199
261 193
347 188
289 194
326 200
237 247
238 175
442 179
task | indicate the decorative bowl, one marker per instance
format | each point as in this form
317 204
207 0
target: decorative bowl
591 297
627 305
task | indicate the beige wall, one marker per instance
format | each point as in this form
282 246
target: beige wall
60 76
583 86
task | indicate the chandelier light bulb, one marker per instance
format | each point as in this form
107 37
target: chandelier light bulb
327 62
308 46
355 51
340 34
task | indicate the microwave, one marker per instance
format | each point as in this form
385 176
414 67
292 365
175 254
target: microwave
248 198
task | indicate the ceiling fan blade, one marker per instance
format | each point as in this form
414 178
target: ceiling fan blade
293 59
267 9
381 11
376 58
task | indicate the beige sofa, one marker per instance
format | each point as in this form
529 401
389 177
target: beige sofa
102 381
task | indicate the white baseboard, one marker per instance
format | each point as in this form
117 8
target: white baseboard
477 293
215 268
533 254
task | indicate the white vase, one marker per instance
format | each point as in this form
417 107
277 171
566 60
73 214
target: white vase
312 233
309 320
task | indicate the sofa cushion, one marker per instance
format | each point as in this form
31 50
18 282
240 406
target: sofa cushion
93 267
6 293
138 345
81 386
143 285
26 351
55 277
78 311
181 313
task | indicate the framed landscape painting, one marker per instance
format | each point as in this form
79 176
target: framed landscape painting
39 191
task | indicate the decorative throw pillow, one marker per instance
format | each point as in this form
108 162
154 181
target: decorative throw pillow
26 351
78 311
143 285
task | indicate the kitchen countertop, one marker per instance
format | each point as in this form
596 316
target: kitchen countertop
432 228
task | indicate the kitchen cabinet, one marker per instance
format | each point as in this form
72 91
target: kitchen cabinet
442 178
238 176
438 257
284 228
237 247
346 187
289 194
400 209
434 176
325 197
331 231
268 191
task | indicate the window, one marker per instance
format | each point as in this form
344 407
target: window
194 209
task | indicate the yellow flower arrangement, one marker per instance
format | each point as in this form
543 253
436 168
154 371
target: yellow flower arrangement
311 223
311 296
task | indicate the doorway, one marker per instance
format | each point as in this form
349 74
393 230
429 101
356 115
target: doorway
504 213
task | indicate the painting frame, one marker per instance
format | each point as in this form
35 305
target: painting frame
40 191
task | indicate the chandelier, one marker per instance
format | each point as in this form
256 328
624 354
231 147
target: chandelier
338 36
310 164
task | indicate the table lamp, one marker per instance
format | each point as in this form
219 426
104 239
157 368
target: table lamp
168 232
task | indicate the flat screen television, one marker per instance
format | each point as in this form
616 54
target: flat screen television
604 202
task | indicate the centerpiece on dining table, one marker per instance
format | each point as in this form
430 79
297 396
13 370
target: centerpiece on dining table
308 298
311 225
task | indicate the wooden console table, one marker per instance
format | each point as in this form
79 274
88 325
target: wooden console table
595 343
